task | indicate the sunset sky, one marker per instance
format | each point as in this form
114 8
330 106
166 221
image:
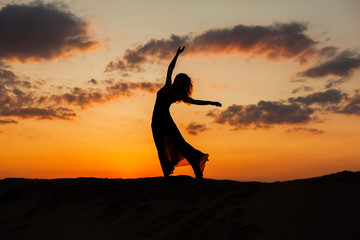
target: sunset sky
78 81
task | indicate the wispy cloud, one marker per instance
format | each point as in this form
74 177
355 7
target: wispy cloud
93 81
302 88
18 98
194 128
352 106
7 121
303 129
25 99
276 42
85 97
342 65
39 113
335 82
331 96
41 31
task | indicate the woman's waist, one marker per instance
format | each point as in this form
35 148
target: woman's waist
162 117
161 111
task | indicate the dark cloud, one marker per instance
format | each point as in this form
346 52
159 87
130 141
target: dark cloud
352 106
131 61
108 81
17 98
7 76
328 51
78 97
125 88
41 31
194 128
276 42
331 96
304 88
93 81
302 129
85 97
297 110
298 80
20 98
335 82
154 48
7 121
3 64
40 113
342 65
263 114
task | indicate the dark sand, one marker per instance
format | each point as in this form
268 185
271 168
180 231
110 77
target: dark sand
180 207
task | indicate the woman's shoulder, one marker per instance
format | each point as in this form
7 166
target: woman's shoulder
166 89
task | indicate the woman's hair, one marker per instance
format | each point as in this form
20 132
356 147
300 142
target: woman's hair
183 81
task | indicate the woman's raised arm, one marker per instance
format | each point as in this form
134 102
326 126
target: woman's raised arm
172 65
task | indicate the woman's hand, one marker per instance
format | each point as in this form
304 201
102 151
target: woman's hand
172 66
216 104
180 50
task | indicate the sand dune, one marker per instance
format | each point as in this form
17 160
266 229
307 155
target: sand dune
180 207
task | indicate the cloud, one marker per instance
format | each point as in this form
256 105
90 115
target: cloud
6 75
342 65
334 82
10 79
276 42
40 113
331 96
298 80
160 49
85 97
299 110
194 128
302 129
352 106
18 99
304 88
41 31
25 99
3 64
328 51
125 88
93 81
77 97
7 121
263 114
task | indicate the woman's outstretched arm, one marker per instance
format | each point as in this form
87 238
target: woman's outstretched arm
200 102
172 65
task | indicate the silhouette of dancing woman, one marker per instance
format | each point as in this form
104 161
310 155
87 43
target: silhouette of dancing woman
172 149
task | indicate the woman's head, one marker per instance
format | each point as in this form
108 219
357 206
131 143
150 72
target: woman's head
183 83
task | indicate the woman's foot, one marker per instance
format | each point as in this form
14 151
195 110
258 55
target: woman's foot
168 170
199 165
203 160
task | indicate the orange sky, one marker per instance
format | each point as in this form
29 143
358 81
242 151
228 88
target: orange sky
65 115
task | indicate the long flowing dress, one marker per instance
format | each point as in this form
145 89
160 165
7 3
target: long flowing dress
172 148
